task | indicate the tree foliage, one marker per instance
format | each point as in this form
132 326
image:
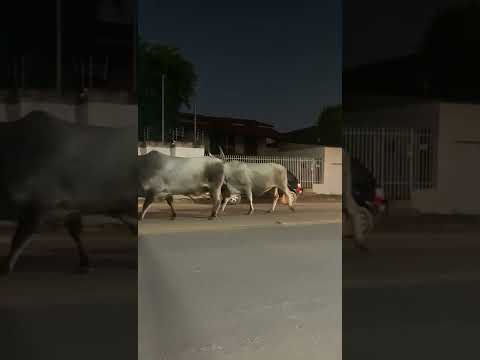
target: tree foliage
330 126
451 49
155 60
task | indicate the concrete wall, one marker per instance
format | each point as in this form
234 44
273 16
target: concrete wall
458 173
180 151
332 176
61 110
93 113
112 115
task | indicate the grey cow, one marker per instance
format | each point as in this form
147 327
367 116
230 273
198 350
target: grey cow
162 176
256 179
349 205
51 167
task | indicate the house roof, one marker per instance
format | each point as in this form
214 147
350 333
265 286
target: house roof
231 126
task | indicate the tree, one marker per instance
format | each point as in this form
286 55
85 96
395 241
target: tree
155 60
451 50
330 126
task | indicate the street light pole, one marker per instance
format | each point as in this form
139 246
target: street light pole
163 108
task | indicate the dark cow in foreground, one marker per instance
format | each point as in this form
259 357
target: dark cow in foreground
49 167
349 205
256 179
162 176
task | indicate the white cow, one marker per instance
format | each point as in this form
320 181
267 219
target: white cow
256 179
162 176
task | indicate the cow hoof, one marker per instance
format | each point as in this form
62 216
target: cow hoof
269 211
211 217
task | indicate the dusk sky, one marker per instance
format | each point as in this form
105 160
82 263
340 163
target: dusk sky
275 63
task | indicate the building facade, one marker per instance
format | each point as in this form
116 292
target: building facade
74 59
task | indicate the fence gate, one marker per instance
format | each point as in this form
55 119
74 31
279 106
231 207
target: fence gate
309 171
402 160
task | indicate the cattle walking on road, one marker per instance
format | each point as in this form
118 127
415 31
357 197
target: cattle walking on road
49 167
251 179
163 176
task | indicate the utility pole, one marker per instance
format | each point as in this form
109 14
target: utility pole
163 108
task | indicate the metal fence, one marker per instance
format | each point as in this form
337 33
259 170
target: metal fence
309 171
402 160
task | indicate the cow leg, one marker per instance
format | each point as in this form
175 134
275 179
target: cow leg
216 202
150 197
287 192
250 200
133 228
27 224
169 200
275 200
74 225
226 196
225 201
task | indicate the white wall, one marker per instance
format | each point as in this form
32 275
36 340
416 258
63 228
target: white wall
458 172
60 110
332 178
94 113
180 151
112 115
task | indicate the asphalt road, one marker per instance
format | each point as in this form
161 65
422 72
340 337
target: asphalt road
49 312
239 287
416 295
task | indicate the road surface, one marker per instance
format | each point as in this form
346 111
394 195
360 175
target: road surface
49 312
416 295
239 287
